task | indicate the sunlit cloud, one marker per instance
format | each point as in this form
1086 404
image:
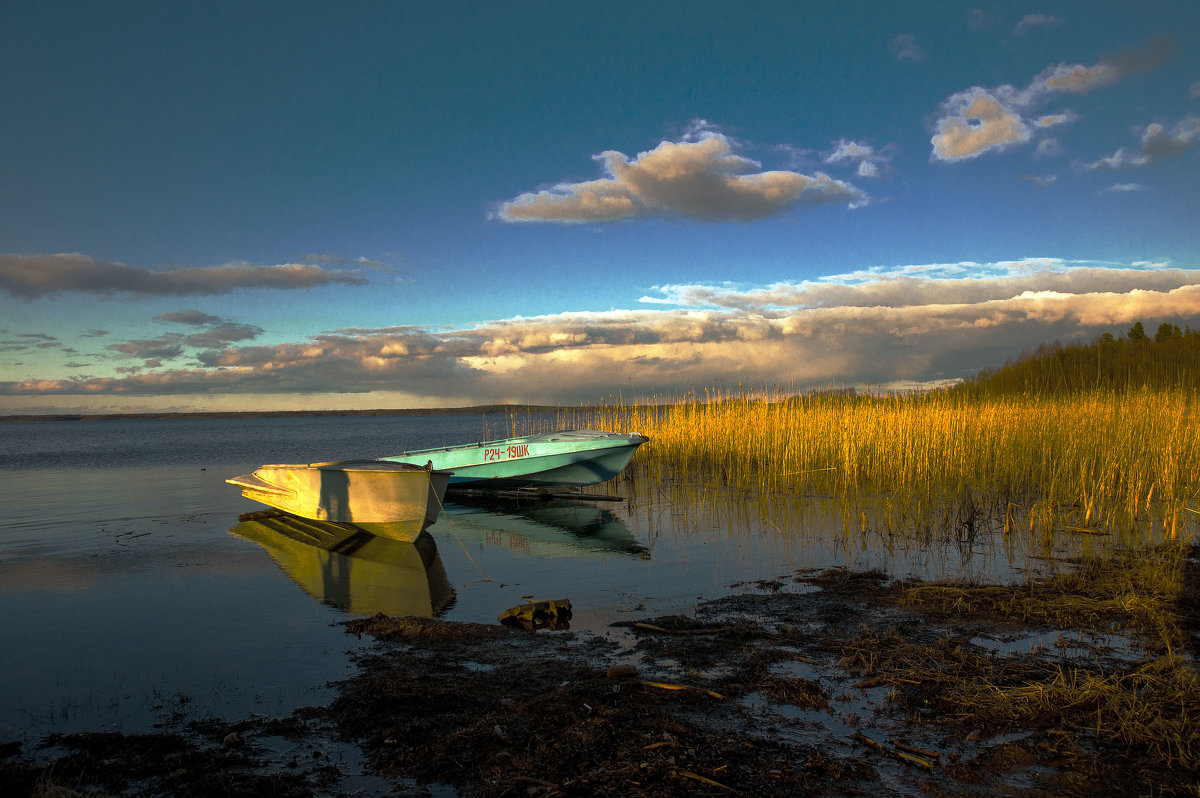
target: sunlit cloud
34 276
848 150
914 324
954 283
699 177
1081 79
1122 188
1052 120
980 120
974 122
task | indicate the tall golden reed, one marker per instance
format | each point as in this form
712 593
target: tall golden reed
1089 462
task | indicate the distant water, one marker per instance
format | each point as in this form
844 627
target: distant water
204 442
131 590
126 597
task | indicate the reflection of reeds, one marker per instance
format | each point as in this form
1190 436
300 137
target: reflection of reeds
1093 463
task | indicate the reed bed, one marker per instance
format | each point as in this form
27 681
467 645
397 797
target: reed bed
1096 462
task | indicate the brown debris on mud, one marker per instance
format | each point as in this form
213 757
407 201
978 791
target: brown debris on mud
540 714
836 682
829 683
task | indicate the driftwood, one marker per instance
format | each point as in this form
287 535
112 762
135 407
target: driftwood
897 753
685 688
652 628
554 614
687 774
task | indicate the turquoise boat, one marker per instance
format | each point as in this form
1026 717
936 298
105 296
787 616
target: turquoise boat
562 459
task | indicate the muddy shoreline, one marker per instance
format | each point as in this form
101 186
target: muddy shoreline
831 682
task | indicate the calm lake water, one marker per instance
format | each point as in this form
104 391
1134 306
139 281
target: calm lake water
131 590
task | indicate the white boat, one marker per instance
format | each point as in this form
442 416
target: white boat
562 459
389 499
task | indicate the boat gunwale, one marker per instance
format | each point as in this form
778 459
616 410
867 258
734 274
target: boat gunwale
258 484
384 464
611 440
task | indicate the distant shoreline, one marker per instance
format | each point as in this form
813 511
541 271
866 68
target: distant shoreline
431 411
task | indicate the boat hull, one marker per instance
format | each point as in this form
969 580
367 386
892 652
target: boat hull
568 458
394 500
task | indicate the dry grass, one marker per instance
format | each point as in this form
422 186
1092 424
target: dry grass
1142 591
1146 712
1153 706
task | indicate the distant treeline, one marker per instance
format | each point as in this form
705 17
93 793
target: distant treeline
1169 359
478 409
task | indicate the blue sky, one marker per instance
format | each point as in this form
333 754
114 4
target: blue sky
286 205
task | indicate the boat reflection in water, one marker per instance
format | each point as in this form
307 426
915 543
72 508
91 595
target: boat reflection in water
350 568
540 527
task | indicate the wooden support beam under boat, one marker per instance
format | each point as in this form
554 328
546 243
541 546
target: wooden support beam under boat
531 493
